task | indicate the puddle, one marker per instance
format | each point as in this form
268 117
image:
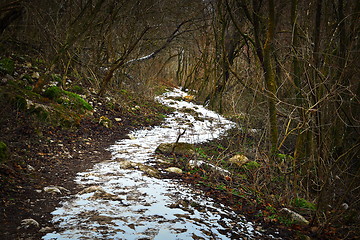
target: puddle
128 204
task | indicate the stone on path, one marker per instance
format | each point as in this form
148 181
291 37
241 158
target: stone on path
179 148
174 170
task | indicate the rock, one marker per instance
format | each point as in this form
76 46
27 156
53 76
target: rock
30 168
125 164
149 170
132 137
294 217
179 148
174 170
104 121
29 223
117 119
52 189
35 75
344 206
63 189
238 160
46 230
92 189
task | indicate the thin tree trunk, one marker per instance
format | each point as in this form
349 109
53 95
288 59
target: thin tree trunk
270 80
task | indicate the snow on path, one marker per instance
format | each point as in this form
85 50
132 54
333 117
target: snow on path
133 205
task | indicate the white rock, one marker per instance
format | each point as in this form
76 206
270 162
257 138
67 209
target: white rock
238 160
118 119
29 222
35 75
174 170
52 190
30 168
295 217
132 137
63 189
345 206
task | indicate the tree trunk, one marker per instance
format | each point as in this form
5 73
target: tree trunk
270 81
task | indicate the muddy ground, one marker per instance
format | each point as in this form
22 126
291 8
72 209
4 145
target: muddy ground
42 156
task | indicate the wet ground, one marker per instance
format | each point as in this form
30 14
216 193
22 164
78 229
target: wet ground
123 199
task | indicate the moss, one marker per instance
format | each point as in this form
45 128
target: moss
3 152
79 100
69 99
302 203
252 165
53 93
7 66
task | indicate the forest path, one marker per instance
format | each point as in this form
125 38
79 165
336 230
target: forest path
121 201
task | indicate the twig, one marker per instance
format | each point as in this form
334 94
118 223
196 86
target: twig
177 140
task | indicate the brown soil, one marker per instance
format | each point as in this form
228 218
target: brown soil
42 156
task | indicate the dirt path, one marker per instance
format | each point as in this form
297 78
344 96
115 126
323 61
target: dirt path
54 159
127 199
49 156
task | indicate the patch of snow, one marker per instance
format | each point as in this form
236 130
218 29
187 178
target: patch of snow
145 209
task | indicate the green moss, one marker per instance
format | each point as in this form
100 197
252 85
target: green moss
79 100
66 98
252 165
302 203
53 93
3 152
7 66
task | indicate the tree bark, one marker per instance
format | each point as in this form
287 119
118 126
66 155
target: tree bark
270 81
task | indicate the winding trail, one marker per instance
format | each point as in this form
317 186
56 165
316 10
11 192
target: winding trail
125 203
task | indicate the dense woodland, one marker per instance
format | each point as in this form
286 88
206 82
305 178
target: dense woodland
289 69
